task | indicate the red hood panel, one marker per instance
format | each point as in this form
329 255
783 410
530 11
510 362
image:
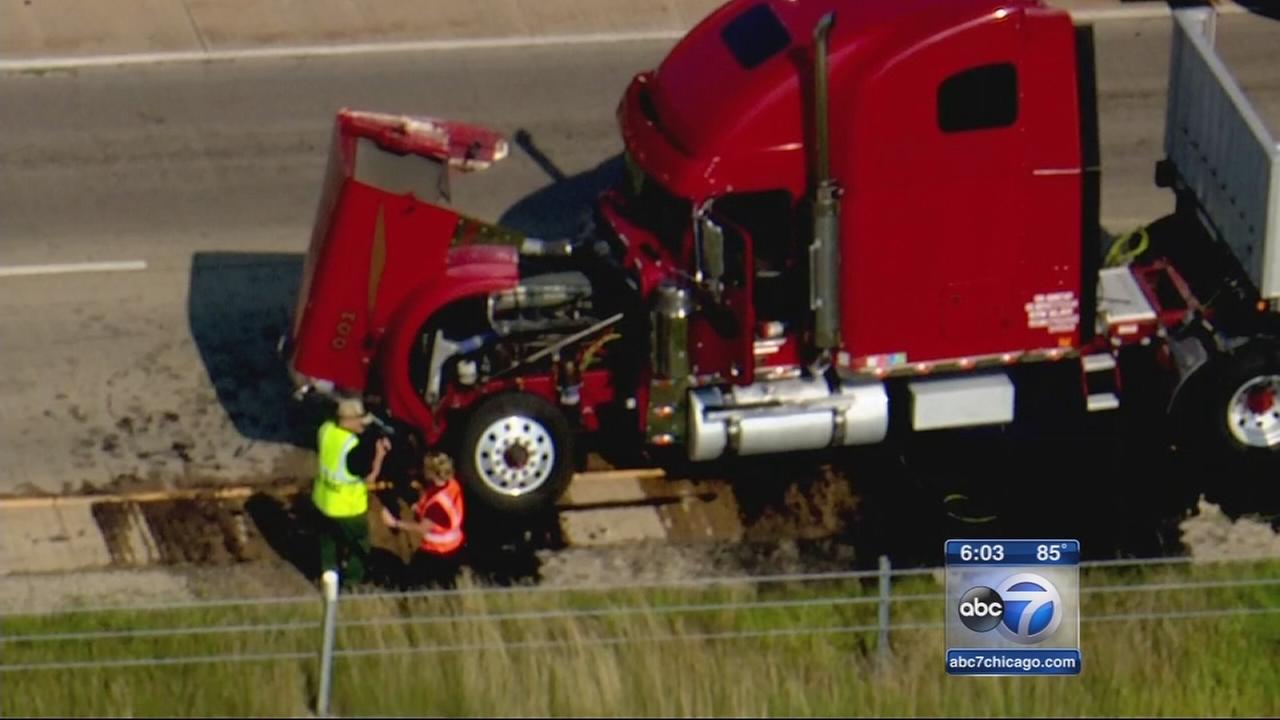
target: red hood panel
371 248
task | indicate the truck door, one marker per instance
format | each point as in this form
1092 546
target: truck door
935 218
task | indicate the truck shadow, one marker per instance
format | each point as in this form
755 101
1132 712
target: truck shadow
1119 499
990 483
288 527
1109 480
238 306
558 210
1270 9
1265 8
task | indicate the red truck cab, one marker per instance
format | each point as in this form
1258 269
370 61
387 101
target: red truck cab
839 221
957 144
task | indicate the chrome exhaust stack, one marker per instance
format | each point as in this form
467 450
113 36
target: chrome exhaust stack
824 252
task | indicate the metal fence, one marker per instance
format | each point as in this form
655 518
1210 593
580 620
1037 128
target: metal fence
873 604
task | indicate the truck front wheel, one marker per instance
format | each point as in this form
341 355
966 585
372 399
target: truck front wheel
516 454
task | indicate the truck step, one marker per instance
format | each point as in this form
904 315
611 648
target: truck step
1099 362
1099 402
1101 382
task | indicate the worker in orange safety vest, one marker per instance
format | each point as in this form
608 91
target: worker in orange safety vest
438 517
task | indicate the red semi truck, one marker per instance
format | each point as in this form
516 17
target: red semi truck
839 222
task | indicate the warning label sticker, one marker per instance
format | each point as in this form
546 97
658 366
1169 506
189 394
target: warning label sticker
1057 312
884 361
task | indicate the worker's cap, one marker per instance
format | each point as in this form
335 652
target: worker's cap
353 408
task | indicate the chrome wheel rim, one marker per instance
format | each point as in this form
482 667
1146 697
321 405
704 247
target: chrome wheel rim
515 455
1253 413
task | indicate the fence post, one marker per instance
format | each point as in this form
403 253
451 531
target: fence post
882 622
329 585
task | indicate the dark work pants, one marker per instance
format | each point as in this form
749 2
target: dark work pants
435 570
344 547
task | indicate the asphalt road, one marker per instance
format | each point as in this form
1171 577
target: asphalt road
210 173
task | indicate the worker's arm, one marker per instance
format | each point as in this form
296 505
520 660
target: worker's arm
388 519
380 449
427 523
422 527
363 459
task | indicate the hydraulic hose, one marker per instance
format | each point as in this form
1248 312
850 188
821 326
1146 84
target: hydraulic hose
1124 250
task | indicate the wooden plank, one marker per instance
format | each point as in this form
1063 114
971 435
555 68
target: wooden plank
244 491
231 493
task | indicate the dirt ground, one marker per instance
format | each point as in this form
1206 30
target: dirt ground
799 513
1209 534
814 522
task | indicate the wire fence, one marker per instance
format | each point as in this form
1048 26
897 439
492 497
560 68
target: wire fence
604 587
322 628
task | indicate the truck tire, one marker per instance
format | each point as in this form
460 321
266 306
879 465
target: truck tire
515 455
1245 401
1241 428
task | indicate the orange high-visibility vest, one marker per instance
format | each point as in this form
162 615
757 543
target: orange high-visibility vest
449 500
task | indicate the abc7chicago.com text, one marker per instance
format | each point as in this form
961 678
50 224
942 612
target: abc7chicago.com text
1004 662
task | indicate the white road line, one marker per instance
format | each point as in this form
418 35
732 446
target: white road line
305 51
64 268
1144 12
1156 10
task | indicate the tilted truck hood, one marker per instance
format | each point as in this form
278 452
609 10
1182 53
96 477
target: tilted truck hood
380 233
463 146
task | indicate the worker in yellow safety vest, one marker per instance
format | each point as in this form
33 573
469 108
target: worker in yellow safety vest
350 459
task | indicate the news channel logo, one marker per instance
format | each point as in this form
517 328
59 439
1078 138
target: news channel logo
1025 608
1016 594
1013 607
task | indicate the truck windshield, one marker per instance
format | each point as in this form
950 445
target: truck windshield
755 36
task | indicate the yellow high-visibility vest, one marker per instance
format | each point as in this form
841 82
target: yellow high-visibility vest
338 493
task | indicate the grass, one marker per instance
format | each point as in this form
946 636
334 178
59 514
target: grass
556 665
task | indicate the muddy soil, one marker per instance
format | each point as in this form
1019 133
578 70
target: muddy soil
199 531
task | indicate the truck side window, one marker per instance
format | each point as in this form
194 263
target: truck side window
979 98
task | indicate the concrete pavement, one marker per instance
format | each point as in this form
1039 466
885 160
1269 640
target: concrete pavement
49 29
76 27
209 174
